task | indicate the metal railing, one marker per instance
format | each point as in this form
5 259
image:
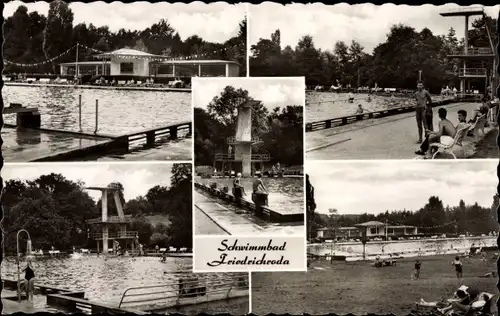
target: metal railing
472 72
115 235
111 219
187 290
232 140
473 51
255 157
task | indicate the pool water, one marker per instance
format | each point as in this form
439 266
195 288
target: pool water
328 105
120 111
105 279
286 195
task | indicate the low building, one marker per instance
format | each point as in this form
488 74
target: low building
372 229
130 62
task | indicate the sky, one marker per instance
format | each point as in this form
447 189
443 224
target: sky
376 186
136 178
368 24
215 22
272 91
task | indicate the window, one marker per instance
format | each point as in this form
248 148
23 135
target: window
373 230
166 70
126 68
217 70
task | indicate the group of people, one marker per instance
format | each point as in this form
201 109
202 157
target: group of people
457 264
446 129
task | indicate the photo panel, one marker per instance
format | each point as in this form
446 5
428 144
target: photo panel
107 237
249 180
392 237
111 81
386 81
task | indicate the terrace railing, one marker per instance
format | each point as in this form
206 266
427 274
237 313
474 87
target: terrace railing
114 235
474 51
254 157
232 140
190 289
113 219
472 72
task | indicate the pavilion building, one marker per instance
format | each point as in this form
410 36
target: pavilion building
130 62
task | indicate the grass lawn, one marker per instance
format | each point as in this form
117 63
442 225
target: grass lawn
359 288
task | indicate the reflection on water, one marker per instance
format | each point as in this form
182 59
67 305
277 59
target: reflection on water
285 194
105 279
327 105
119 111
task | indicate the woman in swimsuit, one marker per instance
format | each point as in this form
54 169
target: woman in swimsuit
29 281
458 267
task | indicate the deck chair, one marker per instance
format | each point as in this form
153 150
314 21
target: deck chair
479 126
457 141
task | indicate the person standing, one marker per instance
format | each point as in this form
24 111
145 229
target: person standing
29 280
458 267
423 110
416 273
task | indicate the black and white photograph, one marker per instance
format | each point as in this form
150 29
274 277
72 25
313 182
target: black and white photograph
248 152
106 238
401 237
111 81
386 81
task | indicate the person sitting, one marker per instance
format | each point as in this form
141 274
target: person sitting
466 299
445 134
360 109
351 97
483 109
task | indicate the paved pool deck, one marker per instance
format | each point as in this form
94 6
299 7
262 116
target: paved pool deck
11 306
25 145
234 221
30 144
179 150
392 137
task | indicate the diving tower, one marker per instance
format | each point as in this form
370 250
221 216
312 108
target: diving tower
242 157
111 227
469 54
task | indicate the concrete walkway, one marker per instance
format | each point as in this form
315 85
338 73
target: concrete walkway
28 145
392 137
235 221
11 306
179 150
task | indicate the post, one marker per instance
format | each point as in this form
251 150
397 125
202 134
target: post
96 115
80 111
420 75
76 64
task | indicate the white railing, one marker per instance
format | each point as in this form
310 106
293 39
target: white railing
473 51
232 140
115 235
111 219
473 72
262 157
189 289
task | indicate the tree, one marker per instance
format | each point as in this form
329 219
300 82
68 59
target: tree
58 30
310 208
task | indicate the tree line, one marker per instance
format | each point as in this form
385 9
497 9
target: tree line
32 38
432 218
281 129
54 210
392 64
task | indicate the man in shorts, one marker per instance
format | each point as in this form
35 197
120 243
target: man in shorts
446 128
416 273
423 110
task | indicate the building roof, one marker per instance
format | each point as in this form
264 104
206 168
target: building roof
400 226
87 63
197 61
371 223
127 52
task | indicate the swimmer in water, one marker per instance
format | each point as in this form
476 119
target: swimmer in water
360 109
351 97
